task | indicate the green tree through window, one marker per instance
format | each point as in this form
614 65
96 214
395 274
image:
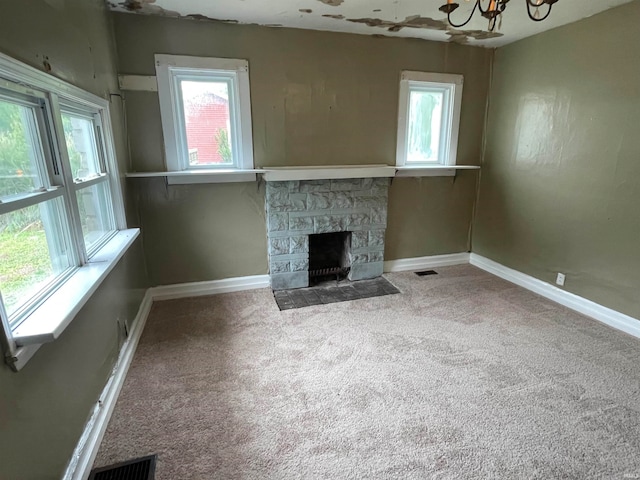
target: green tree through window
224 147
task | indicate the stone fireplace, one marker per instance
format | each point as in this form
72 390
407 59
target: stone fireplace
356 207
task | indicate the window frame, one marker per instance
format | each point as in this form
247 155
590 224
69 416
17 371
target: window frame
169 70
104 176
452 85
55 307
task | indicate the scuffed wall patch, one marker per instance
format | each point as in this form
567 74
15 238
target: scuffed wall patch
333 3
335 17
46 65
57 4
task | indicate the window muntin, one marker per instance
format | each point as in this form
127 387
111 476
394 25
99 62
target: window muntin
429 116
96 218
82 148
21 157
206 112
86 153
36 254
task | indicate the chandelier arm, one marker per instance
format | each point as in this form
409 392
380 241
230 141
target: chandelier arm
479 5
468 19
492 24
536 6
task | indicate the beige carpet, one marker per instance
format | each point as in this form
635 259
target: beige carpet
463 375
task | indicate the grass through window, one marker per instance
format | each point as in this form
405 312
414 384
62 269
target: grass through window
24 263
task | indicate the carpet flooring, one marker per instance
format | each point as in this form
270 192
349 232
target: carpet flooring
462 375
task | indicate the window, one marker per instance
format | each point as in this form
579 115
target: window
60 200
429 117
206 113
83 140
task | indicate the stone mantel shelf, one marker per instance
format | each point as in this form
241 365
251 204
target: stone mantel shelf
327 172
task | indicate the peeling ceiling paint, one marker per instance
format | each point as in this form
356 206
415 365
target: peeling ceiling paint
335 17
145 6
399 18
415 21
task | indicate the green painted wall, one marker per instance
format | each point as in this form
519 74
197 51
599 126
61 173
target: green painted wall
318 98
560 183
44 407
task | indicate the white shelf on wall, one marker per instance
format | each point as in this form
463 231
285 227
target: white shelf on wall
328 172
201 176
433 170
282 174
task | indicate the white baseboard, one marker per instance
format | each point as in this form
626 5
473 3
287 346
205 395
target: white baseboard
591 309
85 452
420 263
212 287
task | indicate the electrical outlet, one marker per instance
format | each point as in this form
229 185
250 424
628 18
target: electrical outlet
560 279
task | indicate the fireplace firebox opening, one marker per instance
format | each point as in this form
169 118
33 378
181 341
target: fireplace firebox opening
329 256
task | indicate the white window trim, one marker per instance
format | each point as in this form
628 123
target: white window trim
453 82
60 307
171 125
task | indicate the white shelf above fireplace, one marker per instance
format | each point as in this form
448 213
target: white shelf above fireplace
327 172
283 174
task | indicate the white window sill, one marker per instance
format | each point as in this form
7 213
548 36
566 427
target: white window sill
187 177
432 170
50 319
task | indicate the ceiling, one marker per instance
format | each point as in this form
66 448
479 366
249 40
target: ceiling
399 18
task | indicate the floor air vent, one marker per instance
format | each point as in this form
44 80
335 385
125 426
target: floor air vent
426 272
139 469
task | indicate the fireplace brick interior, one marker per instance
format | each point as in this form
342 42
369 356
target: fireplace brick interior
329 254
297 209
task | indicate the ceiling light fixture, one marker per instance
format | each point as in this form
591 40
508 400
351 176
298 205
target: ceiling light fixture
494 9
